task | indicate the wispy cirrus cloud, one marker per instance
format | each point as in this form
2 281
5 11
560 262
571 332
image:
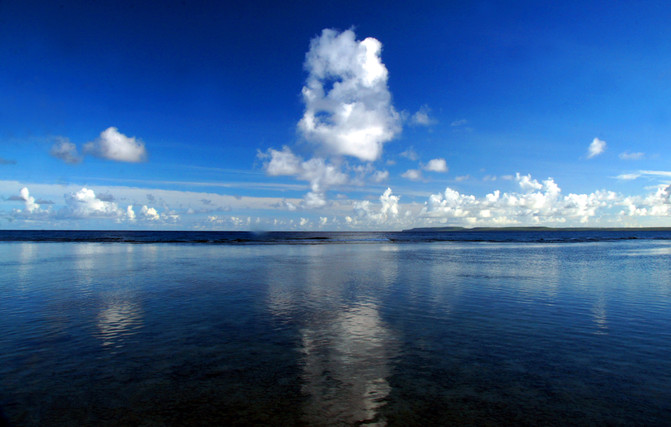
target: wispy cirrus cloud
628 176
422 117
410 154
631 156
648 173
665 174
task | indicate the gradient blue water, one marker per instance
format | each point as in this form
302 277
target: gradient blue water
385 333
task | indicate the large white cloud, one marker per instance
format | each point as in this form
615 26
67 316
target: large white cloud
113 145
348 108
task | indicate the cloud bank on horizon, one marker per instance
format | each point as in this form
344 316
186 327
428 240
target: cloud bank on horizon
352 167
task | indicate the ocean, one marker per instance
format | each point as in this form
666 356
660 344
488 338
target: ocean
487 327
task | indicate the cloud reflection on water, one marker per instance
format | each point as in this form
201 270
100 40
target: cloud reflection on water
346 363
347 348
27 253
119 315
117 321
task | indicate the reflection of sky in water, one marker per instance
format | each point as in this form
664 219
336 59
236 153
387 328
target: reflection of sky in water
660 250
27 252
599 313
117 321
336 334
347 348
85 262
119 317
346 365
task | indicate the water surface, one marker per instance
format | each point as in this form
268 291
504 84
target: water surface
478 332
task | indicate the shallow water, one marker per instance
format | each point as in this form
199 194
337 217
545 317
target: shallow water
385 333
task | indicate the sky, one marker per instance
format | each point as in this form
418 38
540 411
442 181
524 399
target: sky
334 115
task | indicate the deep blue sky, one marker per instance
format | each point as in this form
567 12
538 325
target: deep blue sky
506 90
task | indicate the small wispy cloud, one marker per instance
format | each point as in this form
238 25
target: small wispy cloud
4 161
412 174
595 148
631 156
648 173
65 150
422 117
460 122
410 154
380 176
665 174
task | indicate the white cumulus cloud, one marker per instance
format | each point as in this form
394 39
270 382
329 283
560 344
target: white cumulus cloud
29 200
538 203
596 147
320 174
149 214
654 204
348 108
113 145
436 165
130 213
84 203
526 183
385 213
412 174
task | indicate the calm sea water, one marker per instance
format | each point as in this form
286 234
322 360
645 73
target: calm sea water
335 328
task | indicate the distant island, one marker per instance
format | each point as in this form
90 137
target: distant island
537 228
